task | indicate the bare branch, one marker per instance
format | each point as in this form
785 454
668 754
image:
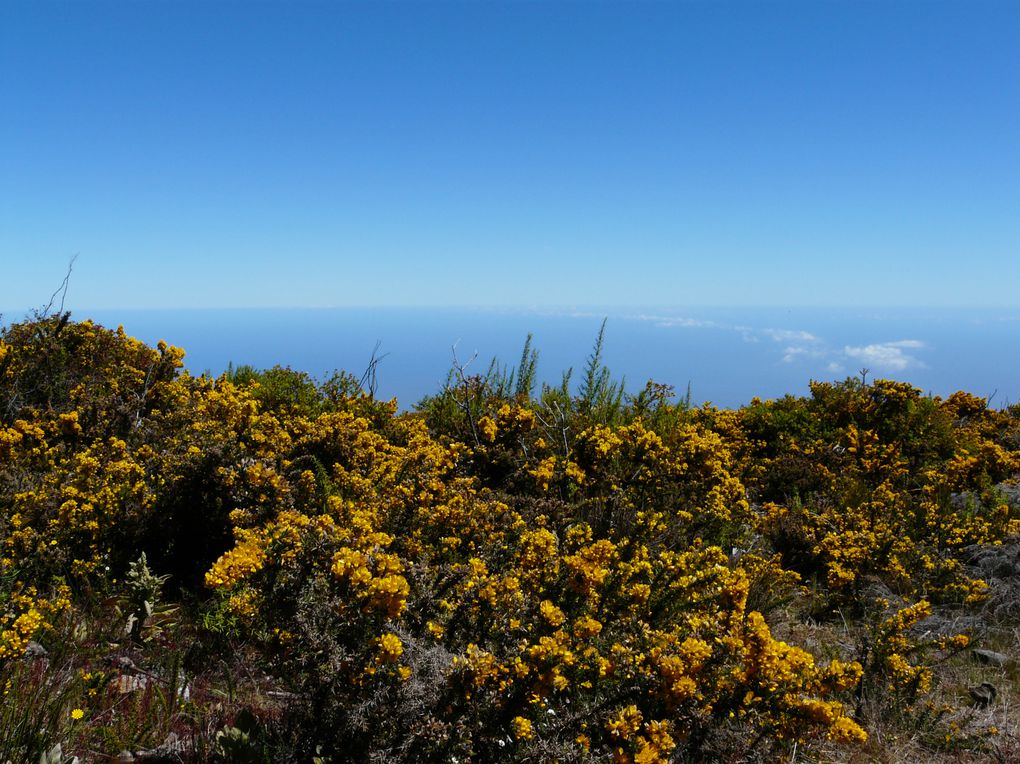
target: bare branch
368 379
61 290
464 384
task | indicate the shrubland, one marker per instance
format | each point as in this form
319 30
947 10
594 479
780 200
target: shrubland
264 567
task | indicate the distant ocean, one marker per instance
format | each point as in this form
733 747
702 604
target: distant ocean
726 355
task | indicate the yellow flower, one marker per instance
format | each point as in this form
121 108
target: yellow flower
522 728
487 428
77 714
390 648
551 613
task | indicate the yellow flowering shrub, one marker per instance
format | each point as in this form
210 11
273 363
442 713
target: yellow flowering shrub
502 576
537 616
878 481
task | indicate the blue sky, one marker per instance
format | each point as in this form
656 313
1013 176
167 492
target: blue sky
528 154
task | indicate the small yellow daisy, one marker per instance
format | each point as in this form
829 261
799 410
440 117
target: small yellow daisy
77 714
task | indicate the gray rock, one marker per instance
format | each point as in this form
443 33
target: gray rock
983 694
34 650
990 657
1010 491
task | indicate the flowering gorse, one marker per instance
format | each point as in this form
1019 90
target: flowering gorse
499 576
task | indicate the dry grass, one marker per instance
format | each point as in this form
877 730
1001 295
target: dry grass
947 726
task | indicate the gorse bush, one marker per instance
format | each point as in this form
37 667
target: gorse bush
878 481
511 572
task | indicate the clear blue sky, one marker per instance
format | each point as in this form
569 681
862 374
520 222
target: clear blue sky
531 154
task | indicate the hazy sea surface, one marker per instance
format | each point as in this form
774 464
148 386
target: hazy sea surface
726 355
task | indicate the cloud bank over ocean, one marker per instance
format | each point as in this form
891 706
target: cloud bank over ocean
795 344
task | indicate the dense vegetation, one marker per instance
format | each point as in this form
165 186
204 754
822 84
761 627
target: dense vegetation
260 567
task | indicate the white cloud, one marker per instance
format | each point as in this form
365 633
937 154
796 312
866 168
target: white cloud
789 335
668 321
792 352
792 336
687 323
887 356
